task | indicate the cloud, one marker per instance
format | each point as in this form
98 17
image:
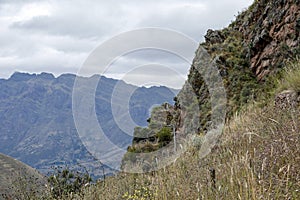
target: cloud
57 36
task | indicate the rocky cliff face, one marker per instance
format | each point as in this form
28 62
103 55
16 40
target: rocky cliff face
271 30
247 53
255 47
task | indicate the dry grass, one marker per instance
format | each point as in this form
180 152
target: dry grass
291 77
258 157
19 181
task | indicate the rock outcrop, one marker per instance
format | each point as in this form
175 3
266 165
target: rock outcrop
253 48
287 100
213 37
271 29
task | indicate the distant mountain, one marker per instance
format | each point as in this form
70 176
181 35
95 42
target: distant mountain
13 174
37 125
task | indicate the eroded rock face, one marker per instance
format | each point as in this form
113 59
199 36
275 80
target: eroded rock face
287 100
213 37
272 33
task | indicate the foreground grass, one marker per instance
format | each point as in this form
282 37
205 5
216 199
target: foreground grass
291 77
257 157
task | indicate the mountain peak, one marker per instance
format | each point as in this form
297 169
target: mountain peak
45 75
20 76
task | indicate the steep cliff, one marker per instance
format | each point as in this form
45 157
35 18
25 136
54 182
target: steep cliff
250 52
253 49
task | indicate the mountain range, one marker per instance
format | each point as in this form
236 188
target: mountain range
37 124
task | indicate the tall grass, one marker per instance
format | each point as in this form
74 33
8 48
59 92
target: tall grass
258 157
291 77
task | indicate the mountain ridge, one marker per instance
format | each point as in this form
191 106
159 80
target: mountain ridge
37 124
21 76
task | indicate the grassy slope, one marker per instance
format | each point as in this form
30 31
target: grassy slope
15 177
257 157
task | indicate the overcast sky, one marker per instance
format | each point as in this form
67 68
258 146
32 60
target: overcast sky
58 35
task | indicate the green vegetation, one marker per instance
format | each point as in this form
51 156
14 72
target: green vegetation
141 193
157 134
164 136
240 82
64 183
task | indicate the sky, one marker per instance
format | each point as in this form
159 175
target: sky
57 36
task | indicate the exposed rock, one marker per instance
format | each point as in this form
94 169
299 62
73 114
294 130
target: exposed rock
273 35
256 45
287 100
213 37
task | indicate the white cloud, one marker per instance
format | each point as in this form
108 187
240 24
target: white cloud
57 36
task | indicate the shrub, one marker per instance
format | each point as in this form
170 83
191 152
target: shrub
65 182
164 136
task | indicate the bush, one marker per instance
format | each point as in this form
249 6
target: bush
164 136
65 182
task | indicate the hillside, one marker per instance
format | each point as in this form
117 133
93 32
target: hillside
37 125
256 156
249 55
17 179
184 154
